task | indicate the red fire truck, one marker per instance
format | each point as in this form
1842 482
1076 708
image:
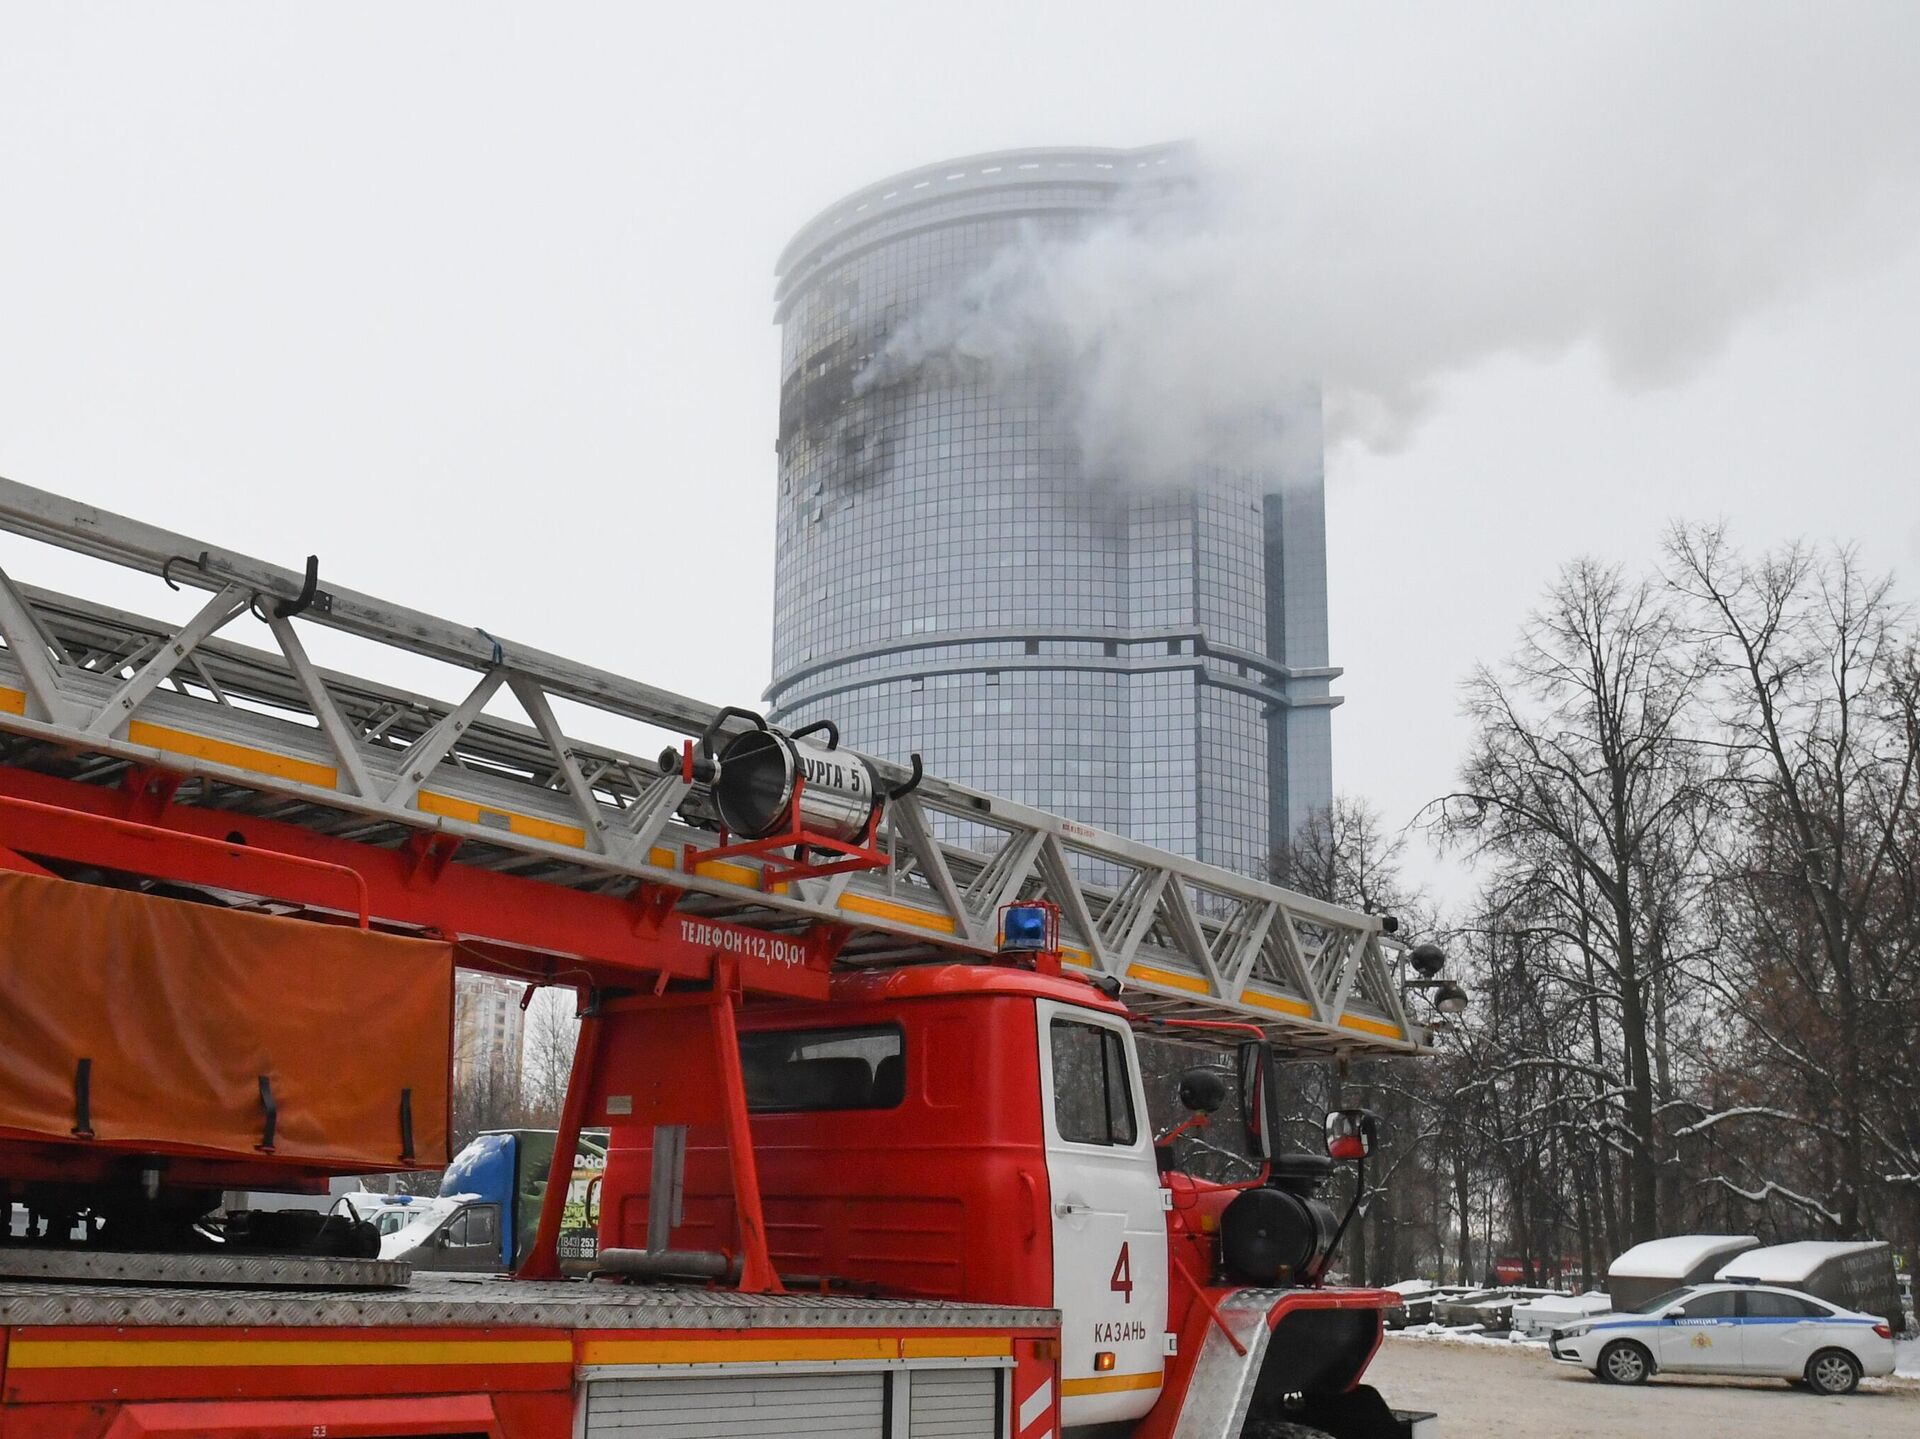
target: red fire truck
866 1044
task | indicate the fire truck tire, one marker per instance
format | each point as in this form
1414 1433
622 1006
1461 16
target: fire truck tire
1280 1429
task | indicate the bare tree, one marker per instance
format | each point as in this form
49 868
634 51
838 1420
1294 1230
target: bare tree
1346 855
1695 950
1816 694
485 1096
546 1057
1583 791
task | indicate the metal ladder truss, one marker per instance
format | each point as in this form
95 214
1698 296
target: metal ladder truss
88 691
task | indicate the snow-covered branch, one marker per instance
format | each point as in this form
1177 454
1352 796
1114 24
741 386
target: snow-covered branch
1768 1190
1746 1111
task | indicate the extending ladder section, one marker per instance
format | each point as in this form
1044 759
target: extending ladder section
93 695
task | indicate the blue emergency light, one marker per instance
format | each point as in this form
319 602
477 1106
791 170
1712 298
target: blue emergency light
1029 928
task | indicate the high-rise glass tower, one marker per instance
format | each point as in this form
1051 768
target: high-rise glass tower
952 578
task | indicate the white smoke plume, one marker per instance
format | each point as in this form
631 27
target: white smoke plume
1645 183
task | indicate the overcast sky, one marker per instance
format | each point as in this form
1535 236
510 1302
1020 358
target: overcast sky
474 300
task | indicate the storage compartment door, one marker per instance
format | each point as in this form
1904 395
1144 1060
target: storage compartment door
953 1403
747 1406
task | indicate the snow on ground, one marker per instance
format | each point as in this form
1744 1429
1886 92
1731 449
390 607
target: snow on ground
1490 1390
1906 1358
1467 1334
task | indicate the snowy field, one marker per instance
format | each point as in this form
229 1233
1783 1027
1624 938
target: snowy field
1492 1387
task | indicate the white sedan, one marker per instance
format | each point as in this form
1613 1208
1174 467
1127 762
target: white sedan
1731 1329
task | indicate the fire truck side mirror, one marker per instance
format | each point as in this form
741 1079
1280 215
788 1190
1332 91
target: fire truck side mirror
1203 1089
1350 1134
1258 1103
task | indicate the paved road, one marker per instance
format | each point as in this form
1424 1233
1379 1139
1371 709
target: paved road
1486 1392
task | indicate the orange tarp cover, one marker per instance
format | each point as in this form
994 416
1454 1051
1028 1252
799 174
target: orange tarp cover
182 1007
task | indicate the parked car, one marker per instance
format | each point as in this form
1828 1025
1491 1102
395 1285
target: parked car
1537 1318
1732 1329
1412 1292
489 1205
1417 1301
1491 1309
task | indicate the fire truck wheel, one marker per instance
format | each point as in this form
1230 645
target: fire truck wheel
1280 1429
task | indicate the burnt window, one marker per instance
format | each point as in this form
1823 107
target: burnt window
794 1070
1092 1094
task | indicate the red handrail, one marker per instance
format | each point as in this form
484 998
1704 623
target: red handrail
226 847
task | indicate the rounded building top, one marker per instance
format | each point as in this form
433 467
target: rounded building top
1102 170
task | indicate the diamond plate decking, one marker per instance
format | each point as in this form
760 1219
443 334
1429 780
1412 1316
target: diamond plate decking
464 1301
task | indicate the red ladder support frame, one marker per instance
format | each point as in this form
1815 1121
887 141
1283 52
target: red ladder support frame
542 1261
620 1043
420 886
757 1275
77 835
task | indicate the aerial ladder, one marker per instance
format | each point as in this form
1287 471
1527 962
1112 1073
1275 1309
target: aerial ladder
687 869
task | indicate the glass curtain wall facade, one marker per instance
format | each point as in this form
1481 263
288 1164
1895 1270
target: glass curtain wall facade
951 579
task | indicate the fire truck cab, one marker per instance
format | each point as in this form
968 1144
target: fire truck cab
981 1134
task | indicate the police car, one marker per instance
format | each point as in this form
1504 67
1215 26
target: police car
1731 1329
